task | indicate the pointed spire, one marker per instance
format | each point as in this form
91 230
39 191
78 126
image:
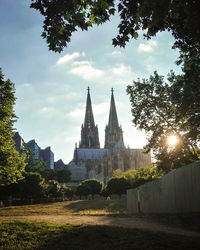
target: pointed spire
113 120
113 133
89 118
89 132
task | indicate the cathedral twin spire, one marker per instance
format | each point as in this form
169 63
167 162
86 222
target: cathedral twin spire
113 132
89 131
89 118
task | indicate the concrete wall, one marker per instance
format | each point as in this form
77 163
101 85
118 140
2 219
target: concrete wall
176 192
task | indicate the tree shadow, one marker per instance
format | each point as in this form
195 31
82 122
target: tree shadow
23 235
111 206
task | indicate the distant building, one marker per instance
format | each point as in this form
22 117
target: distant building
35 148
48 157
59 165
46 154
19 142
91 161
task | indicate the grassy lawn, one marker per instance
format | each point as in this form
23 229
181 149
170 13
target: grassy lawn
79 207
26 235
43 235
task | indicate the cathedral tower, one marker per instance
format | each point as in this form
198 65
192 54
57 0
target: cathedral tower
113 132
89 132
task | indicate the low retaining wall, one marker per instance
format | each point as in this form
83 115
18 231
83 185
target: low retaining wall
176 192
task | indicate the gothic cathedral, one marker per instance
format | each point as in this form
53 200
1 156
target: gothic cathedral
91 161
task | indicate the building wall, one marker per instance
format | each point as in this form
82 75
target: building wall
176 192
59 165
48 156
35 148
102 168
78 172
19 142
139 159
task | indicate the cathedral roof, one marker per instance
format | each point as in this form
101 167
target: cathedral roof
90 153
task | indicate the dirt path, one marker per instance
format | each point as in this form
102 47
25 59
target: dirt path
127 222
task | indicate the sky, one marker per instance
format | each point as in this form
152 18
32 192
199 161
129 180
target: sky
51 88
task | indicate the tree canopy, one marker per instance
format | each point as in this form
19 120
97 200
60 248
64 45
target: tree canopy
117 185
33 165
170 107
63 175
62 18
12 164
136 177
89 187
32 186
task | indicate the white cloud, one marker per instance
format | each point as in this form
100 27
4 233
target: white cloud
71 139
100 108
85 70
51 99
119 74
77 113
26 85
47 110
151 64
116 53
62 97
81 63
148 47
73 94
83 53
69 57
121 70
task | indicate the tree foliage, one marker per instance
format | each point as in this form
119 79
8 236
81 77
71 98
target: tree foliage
53 189
137 177
48 174
82 190
69 193
32 186
32 164
62 18
117 185
89 187
63 175
162 108
12 164
95 186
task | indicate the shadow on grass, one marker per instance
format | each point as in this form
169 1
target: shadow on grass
24 235
109 206
89 207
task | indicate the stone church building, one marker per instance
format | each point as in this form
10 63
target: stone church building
91 161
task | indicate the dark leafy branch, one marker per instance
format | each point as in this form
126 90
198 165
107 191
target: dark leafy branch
63 17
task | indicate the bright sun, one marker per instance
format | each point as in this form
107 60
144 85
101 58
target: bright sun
172 140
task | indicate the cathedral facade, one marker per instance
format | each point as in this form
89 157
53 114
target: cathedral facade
91 161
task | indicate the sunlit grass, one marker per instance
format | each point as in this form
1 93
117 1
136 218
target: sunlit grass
78 207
